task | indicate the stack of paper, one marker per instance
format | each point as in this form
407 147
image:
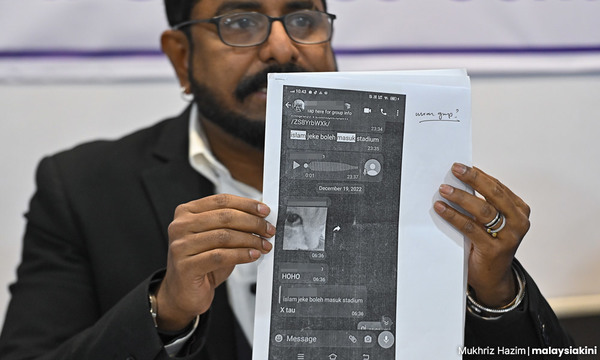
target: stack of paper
362 267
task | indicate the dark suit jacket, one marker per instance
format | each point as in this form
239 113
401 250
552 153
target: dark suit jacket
97 234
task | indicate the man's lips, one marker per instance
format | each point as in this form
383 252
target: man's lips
260 93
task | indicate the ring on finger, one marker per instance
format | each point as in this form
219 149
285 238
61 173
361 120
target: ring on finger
494 220
494 232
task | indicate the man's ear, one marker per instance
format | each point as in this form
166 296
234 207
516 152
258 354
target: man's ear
175 45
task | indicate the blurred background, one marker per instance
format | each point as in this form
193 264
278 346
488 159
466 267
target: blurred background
73 71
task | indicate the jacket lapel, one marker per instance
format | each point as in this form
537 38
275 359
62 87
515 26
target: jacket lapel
170 180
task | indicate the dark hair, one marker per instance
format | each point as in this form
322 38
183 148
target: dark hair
179 11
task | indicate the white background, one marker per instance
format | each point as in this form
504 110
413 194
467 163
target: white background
535 116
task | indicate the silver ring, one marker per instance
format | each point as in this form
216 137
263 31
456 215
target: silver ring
494 220
494 232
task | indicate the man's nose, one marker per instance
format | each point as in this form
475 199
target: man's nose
278 47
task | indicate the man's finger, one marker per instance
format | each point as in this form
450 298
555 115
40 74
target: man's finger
194 244
218 259
492 190
483 211
221 219
224 201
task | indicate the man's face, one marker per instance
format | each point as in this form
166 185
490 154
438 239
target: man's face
229 83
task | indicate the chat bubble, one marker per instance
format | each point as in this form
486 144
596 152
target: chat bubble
336 166
303 273
311 140
343 301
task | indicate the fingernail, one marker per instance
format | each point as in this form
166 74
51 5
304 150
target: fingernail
446 189
439 207
267 245
270 229
254 254
459 168
263 209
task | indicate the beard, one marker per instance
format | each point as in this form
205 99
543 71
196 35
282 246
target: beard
251 132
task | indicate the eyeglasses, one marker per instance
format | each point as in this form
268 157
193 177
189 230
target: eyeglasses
252 28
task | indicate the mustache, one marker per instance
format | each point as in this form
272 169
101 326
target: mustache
258 81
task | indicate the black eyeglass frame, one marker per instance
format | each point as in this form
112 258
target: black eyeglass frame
217 19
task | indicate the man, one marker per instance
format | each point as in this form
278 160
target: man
109 272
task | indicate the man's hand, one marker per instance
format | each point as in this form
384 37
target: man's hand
207 238
490 258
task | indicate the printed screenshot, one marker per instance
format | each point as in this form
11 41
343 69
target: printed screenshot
335 268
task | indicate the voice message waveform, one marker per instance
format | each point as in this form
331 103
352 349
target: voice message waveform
326 166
